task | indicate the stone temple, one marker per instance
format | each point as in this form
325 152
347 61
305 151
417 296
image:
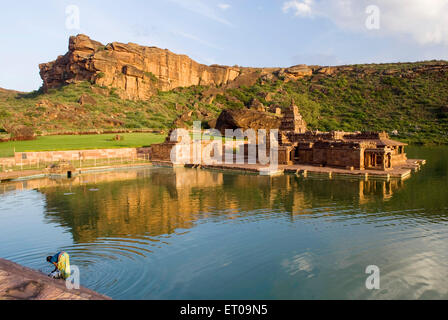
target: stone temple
350 150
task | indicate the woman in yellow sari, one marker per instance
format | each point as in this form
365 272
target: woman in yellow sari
61 261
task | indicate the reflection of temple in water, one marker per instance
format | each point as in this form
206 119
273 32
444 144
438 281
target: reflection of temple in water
160 201
367 189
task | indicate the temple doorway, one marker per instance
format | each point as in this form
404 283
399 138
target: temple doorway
296 154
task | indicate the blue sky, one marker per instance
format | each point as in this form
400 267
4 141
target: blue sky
259 33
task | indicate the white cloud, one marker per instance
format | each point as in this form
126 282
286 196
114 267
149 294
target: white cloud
300 8
425 22
224 6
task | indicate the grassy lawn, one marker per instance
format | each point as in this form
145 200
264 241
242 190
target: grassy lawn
74 142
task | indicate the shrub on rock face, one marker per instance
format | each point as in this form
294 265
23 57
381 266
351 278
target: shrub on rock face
3 135
21 133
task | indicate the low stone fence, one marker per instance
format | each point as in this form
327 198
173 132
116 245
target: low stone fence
7 162
94 157
71 155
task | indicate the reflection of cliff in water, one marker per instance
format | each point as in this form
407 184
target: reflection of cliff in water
160 201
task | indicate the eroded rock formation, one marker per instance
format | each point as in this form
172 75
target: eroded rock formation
247 118
136 71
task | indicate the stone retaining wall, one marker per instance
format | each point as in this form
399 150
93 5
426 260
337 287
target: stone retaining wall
7 162
70 155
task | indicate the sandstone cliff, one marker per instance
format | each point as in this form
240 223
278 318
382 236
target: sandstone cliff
136 71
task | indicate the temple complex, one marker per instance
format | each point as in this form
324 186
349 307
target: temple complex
303 150
350 150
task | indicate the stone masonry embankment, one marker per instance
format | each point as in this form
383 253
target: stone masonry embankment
21 283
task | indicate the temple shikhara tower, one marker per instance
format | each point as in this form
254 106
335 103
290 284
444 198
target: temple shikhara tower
292 120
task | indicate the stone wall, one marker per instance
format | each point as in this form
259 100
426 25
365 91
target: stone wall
161 151
7 162
70 155
210 148
398 159
305 156
337 156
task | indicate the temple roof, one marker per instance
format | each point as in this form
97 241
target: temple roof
390 143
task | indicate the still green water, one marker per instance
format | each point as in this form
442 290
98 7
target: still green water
163 233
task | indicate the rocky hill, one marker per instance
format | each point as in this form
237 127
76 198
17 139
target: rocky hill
136 71
127 86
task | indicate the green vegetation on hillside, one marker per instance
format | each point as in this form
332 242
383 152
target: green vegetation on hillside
413 109
59 109
369 97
